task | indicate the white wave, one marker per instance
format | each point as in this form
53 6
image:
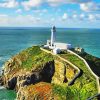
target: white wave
1 70
2 87
3 58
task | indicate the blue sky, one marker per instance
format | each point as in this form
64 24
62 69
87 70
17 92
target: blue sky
45 13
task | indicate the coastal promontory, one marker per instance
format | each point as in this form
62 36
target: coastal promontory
37 75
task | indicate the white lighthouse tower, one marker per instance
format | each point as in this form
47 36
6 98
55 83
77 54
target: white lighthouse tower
56 47
53 36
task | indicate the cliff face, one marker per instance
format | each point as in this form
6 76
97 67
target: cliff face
63 73
23 77
32 74
37 75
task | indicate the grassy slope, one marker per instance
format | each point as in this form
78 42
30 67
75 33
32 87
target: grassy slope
94 62
29 59
85 86
34 58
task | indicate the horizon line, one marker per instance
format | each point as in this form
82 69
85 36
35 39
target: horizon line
47 27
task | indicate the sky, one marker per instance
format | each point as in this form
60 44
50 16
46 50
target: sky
45 13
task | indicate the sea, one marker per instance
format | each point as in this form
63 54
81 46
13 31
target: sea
15 39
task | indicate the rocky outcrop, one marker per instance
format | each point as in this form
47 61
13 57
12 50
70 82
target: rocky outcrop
25 71
21 78
39 91
63 73
1 81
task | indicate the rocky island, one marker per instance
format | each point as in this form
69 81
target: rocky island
37 74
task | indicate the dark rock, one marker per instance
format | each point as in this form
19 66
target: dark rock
48 72
1 81
44 74
12 83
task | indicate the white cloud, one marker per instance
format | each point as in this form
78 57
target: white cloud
19 20
91 17
59 2
65 16
55 2
84 7
90 6
28 19
82 15
75 16
79 1
97 16
40 11
9 4
3 15
86 17
35 3
31 3
18 11
4 20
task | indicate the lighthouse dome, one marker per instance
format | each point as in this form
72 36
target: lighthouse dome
54 28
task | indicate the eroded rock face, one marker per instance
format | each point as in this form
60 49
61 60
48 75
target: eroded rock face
59 74
27 83
22 78
1 81
44 75
63 73
12 83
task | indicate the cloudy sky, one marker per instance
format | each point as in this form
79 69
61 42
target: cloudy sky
44 13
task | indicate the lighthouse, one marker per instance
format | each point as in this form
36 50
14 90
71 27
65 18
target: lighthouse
56 47
53 36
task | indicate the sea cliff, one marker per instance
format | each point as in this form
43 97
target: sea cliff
37 75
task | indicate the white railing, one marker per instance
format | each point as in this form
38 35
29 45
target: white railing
75 67
97 78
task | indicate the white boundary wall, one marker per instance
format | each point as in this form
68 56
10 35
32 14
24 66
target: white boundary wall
97 78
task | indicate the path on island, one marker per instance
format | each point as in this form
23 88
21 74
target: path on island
65 60
87 65
79 71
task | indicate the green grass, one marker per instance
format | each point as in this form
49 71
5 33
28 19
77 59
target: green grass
85 86
60 91
78 62
75 92
78 91
35 58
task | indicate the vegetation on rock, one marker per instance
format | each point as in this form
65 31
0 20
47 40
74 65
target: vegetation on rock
36 74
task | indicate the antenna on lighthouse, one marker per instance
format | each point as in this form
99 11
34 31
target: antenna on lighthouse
53 35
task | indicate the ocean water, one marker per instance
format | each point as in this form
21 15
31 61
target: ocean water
13 40
7 94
